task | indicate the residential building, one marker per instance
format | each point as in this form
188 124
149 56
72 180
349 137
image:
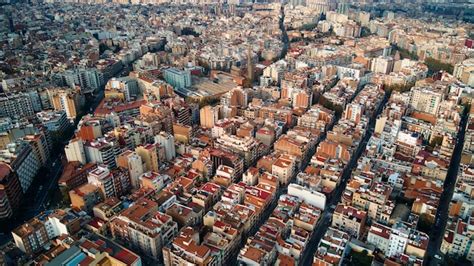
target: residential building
144 229
16 105
166 141
85 197
349 219
75 151
11 193
209 116
425 100
149 155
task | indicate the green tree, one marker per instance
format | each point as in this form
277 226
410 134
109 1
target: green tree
361 258
435 66
425 223
364 32
399 87
309 26
436 141
404 53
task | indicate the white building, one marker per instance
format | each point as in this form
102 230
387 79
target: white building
135 168
311 197
382 64
379 236
276 71
166 141
84 78
398 239
102 151
127 85
465 71
75 151
425 100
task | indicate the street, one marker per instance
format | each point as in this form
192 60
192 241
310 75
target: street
38 199
433 254
325 221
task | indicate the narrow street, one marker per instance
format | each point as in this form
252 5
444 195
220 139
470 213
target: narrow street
325 220
437 232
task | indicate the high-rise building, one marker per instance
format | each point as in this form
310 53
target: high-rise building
219 157
209 116
182 133
382 64
31 236
133 163
75 151
153 180
35 100
89 130
40 145
149 156
86 79
246 147
167 141
425 100
70 101
74 175
102 151
54 121
186 250
464 71
301 99
23 161
250 66
113 183
16 105
85 197
10 191
322 6
349 219
354 112
183 115
35 234
276 71
125 88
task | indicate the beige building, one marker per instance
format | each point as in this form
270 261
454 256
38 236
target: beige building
149 155
186 249
349 219
71 101
425 100
143 228
375 201
209 116
465 71
284 168
85 197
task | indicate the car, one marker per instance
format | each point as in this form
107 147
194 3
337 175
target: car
438 257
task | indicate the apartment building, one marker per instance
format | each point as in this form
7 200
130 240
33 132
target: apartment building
349 219
144 229
11 193
16 105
